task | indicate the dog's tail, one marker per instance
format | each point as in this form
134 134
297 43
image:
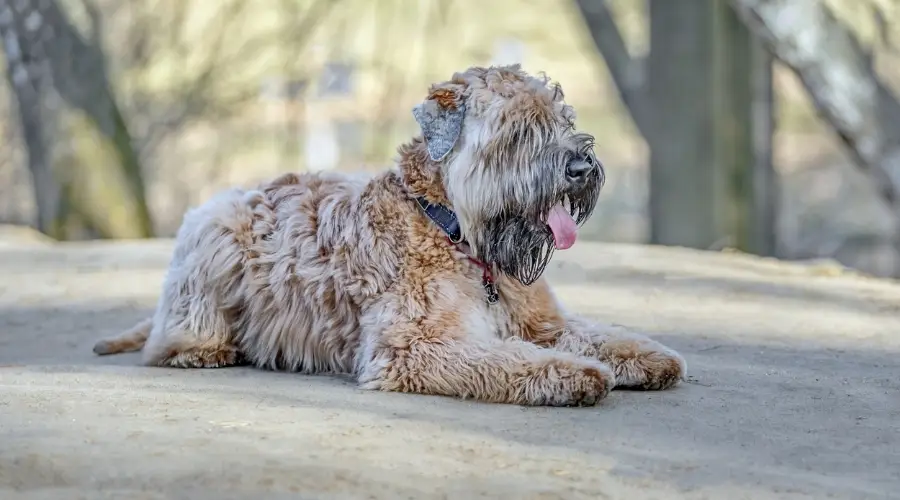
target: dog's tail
130 340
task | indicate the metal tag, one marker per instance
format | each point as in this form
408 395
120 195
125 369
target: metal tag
491 290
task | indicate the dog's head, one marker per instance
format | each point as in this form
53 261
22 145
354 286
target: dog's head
519 177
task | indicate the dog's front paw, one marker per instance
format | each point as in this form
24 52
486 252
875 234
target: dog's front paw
569 383
646 365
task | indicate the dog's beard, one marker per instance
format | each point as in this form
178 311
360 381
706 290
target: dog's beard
521 245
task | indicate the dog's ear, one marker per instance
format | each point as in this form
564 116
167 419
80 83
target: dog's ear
440 118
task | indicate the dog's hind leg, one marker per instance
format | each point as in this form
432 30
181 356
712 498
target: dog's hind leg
185 341
185 350
191 331
130 340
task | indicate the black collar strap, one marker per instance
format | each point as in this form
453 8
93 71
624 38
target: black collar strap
443 217
446 220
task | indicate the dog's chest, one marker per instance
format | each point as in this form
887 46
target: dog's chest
482 320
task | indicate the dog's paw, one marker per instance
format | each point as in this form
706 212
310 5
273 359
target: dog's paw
564 383
663 370
644 365
218 357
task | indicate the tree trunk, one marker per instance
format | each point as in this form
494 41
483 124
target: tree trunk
702 102
743 105
86 174
764 186
700 73
838 75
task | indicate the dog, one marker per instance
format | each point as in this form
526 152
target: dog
425 278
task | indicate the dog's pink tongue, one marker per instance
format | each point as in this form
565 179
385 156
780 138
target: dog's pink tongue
563 227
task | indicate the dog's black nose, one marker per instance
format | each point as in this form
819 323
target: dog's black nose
578 169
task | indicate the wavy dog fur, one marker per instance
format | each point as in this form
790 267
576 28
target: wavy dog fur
330 273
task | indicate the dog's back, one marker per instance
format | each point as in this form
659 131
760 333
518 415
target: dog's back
275 276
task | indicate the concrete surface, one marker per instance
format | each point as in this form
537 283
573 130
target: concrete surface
793 393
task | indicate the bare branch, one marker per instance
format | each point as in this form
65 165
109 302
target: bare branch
837 73
628 73
201 96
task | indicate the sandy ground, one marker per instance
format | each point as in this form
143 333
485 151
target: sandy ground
792 393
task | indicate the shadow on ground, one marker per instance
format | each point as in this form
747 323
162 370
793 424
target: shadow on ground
796 418
792 393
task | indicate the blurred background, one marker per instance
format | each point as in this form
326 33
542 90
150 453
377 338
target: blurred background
764 126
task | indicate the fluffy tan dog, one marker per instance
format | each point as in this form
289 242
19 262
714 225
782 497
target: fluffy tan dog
425 278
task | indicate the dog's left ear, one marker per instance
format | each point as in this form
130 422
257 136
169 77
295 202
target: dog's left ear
440 118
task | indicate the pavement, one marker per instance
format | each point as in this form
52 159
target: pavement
792 392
